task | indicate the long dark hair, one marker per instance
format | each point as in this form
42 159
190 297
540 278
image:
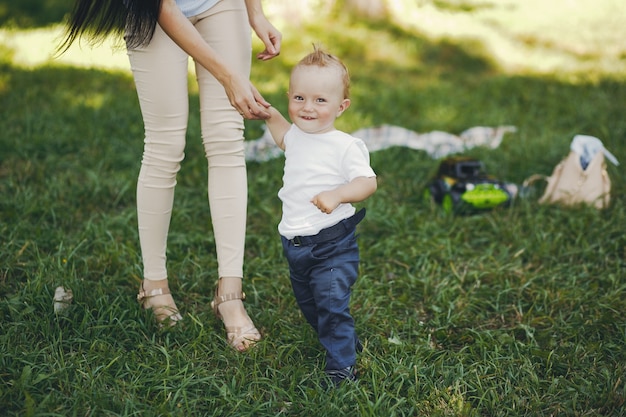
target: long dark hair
95 19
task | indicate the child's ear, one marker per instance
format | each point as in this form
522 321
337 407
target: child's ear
343 106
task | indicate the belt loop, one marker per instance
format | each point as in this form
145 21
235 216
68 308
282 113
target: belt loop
296 241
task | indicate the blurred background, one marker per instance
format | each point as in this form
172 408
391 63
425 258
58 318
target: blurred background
518 35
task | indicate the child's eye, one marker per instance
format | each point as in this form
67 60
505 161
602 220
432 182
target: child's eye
321 100
298 98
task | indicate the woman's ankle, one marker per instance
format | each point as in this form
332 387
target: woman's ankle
153 284
229 285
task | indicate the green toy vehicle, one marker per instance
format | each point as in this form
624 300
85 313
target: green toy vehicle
462 186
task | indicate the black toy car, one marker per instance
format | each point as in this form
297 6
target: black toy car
462 186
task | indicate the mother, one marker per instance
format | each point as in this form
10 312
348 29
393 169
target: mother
160 35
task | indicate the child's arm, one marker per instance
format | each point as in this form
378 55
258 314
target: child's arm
353 192
278 126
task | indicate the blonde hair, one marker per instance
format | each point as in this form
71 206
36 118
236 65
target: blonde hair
323 59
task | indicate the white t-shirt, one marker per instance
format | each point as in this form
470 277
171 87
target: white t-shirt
316 163
195 7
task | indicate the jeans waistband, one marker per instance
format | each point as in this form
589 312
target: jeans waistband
332 232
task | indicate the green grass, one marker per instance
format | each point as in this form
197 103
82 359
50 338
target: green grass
515 312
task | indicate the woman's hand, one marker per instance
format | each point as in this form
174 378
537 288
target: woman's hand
244 97
266 32
270 37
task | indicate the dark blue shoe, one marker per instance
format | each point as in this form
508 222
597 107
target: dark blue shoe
338 376
358 346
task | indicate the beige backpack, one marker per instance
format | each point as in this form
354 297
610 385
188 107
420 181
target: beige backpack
580 178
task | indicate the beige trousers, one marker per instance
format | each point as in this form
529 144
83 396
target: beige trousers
160 70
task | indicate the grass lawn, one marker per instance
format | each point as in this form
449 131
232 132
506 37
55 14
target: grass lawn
516 312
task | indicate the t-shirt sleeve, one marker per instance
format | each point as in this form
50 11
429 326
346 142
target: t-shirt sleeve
357 161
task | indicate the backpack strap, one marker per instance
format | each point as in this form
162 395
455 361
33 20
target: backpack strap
533 179
526 190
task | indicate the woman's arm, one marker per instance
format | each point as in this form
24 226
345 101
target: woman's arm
242 94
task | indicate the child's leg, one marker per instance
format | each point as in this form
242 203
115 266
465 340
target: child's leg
331 283
300 260
321 277
304 296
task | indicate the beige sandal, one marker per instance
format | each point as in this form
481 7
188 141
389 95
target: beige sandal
239 338
165 314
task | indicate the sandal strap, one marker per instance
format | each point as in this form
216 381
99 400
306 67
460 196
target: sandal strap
152 293
241 330
238 336
219 299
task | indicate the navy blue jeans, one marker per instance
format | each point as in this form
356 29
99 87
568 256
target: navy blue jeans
322 275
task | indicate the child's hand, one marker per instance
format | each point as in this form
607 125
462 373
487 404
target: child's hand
326 201
356 190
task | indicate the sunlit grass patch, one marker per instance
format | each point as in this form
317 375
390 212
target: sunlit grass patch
530 36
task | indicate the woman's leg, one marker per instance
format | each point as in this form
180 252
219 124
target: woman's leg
160 71
225 27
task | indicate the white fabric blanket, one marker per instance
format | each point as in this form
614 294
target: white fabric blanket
437 144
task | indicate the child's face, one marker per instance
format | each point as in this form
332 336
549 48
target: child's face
316 98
